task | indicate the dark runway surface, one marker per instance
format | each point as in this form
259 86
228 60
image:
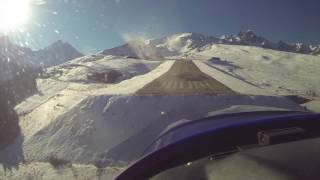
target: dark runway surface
185 78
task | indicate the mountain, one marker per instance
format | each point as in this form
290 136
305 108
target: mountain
14 58
163 47
57 53
19 68
184 42
54 54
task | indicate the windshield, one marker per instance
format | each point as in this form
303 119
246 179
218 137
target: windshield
89 85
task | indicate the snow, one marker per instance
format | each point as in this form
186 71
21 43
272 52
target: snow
83 120
275 71
99 123
61 97
80 121
42 112
73 84
44 171
232 82
177 42
183 42
77 70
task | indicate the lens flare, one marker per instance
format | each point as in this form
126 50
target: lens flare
13 14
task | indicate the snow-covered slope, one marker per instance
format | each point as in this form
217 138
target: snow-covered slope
19 68
266 67
81 121
96 124
84 119
45 171
59 98
276 71
78 69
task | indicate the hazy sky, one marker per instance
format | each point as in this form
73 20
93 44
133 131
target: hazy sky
92 25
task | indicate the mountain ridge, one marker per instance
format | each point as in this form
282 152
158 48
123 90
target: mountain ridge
53 54
57 53
183 42
15 59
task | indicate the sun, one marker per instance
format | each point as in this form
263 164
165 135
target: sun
13 14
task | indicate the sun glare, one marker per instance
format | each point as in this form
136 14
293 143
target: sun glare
13 14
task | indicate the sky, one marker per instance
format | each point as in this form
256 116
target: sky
93 25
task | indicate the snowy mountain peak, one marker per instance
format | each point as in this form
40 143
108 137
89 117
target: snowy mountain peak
57 53
58 44
184 41
61 45
188 36
54 54
181 43
247 34
250 37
